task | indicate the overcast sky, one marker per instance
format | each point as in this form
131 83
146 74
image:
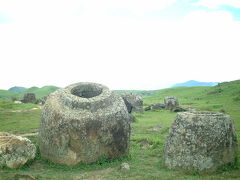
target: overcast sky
124 44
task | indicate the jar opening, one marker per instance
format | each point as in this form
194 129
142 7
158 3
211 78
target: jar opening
86 91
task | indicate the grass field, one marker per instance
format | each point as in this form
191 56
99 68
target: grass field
145 156
39 92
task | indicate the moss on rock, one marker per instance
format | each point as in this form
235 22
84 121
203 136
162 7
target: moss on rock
201 141
83 122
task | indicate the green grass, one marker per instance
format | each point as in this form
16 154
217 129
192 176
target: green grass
7 105
19 118
4 94
39 92
146 147
19 122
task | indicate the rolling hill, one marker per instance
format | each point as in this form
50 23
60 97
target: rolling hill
192 83
223 97
17 89
39 92
146 145
5 94
46 90
138 92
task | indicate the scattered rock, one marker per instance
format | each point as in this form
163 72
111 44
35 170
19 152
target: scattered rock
17 102
157 128
133 102
201 141
42 100
125 167
179 109
144 143
171 102
155 106
15 151
29 98
83 122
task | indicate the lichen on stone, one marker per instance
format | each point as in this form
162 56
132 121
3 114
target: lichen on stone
82 122
202 141
15 151
171 102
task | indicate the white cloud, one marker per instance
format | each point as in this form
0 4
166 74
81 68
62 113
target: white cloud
43 11
217 3
33 11
121 52
212 41
138 7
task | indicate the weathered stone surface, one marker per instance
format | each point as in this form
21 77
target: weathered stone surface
201 141
191 109
42 100
179 109
155 106
15 151
29 98
132 118
82 122
171 102
133 102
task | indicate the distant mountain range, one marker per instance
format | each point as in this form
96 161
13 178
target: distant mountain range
19 92
17 89
195 83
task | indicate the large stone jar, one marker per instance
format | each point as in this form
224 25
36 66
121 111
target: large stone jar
133 102
83 122
171 103
201 141
29 98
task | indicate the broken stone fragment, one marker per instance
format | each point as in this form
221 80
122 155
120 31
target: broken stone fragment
15 151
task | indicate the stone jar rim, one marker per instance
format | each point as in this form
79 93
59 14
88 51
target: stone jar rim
202 113
75 101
